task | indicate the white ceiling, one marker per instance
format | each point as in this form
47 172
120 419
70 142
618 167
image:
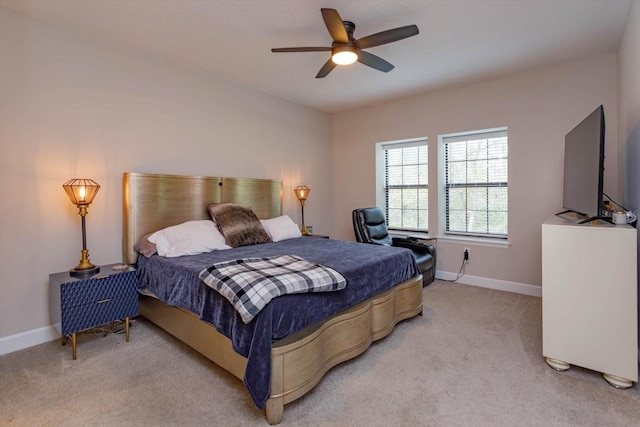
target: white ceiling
459 41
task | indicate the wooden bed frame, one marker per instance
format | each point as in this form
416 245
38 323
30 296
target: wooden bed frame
299 362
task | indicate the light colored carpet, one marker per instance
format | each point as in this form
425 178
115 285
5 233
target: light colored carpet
473 359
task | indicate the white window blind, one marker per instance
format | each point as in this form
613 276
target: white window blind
476 183
406 185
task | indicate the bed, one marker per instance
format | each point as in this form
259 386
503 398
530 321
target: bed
286 350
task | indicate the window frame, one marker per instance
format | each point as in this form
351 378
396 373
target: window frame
381 174
444 186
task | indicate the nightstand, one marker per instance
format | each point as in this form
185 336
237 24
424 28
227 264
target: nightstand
79 303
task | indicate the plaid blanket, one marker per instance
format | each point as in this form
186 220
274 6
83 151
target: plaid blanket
249 284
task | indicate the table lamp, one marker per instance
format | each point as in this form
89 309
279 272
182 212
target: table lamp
81 193
302 192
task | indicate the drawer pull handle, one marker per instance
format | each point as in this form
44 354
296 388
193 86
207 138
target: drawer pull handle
103 300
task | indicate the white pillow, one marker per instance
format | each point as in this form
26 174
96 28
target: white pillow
281 228
188 238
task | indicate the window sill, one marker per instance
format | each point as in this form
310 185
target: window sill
416 234
479 241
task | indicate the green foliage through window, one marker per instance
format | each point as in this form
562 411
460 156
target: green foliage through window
476 184
406 185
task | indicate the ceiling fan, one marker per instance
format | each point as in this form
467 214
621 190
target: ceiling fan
345 49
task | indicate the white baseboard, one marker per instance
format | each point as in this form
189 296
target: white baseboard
501 285
49 333
28 339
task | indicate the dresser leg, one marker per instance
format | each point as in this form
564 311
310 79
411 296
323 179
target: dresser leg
558 365
126 328
73 345
617 382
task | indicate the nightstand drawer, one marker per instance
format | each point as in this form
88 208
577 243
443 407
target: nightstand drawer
89 291
97 313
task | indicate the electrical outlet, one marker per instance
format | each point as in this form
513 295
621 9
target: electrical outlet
467 254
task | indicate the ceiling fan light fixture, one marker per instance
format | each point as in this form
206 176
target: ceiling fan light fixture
346 49
344 55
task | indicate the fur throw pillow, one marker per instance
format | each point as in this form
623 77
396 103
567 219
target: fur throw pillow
238 224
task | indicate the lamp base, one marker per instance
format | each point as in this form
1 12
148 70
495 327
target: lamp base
83 272
86 267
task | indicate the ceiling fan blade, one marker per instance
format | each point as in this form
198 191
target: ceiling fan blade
326 69
302 49
335 25
374 61
388 36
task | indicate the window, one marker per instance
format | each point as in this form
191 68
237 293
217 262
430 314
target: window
476 178
405 184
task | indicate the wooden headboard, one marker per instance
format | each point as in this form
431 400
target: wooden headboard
152 202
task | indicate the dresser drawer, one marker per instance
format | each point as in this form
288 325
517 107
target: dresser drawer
90 291
99 312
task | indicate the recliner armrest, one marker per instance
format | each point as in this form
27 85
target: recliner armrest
414 245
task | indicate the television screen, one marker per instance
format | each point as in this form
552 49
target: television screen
584 166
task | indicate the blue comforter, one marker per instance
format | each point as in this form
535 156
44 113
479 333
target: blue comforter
369 269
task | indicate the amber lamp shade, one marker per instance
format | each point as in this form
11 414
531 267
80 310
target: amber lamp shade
81 193
302 192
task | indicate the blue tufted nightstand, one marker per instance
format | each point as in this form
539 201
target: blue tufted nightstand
83 303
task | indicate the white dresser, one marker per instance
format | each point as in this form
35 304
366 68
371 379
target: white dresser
589 297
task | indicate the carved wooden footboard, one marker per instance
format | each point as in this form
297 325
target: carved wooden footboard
301 360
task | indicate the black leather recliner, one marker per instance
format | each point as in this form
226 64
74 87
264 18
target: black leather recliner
370 226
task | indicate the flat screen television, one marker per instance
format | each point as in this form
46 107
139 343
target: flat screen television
584 168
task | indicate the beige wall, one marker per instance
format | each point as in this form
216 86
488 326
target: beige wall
629 74
70 108
538 106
